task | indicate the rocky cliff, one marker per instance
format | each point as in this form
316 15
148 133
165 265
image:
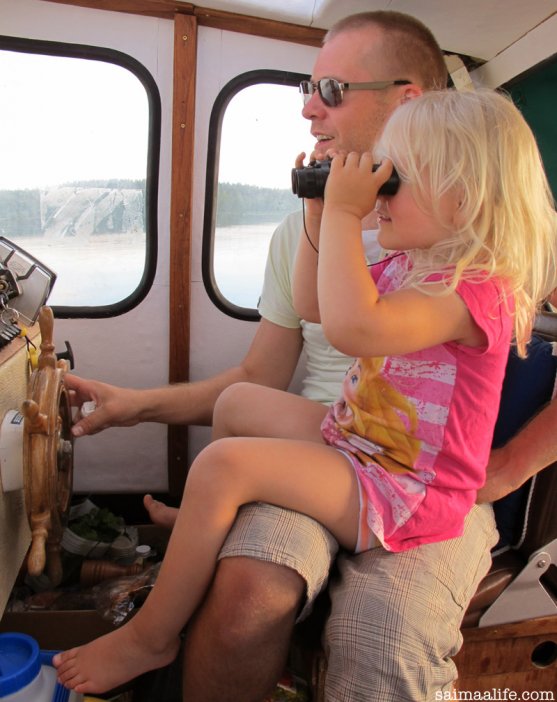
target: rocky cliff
84 212
71 211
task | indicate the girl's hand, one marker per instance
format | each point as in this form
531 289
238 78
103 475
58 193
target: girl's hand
352 186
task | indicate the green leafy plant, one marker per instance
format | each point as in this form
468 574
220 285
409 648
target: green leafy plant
98 525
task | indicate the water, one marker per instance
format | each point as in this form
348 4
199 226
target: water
239 261
97 271
105 269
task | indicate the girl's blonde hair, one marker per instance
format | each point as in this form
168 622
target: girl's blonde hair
477 145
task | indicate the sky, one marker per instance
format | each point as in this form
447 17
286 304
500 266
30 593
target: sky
272 133
89 122
262 131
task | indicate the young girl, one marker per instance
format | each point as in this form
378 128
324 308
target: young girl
397 461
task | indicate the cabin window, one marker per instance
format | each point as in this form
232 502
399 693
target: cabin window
256 131
79 139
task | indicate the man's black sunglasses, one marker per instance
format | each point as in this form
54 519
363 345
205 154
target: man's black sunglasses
331 91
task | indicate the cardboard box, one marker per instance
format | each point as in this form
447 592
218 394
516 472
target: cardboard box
55 630
62 629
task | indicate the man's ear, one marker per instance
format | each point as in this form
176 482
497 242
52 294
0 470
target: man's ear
410 92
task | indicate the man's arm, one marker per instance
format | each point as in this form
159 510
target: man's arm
304 283
531 450
270 360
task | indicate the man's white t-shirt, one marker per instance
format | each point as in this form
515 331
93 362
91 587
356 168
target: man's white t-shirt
325 366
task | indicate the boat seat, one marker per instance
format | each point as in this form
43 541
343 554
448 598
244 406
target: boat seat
521 583
510 627
529 559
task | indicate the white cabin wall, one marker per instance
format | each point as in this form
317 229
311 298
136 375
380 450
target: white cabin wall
132 349
222 56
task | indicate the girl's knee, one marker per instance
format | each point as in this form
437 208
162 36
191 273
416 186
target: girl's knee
217 470
228 405
232 396
213 456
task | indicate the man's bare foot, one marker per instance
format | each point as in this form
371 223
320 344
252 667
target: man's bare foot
160 514
111 660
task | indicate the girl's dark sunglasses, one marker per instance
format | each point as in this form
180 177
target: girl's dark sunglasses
331 91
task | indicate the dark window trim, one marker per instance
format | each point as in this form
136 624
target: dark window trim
233 87
96 53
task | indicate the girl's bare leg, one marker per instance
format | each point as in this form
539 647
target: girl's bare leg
245 409
306 476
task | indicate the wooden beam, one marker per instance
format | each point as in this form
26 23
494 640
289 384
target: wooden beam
206 17
151 8
185 51
258 26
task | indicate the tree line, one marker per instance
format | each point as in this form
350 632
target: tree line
249 204
21 213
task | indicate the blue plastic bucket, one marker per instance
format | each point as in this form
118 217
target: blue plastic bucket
26 672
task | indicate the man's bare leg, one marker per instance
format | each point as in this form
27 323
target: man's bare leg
160 514
237 644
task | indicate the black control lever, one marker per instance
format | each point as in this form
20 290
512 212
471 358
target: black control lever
67 355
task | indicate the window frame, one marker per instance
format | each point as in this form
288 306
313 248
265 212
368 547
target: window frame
123 60
229 91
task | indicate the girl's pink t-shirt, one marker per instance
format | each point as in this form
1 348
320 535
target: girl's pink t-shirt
419 427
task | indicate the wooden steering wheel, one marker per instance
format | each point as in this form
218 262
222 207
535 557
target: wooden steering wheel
47 456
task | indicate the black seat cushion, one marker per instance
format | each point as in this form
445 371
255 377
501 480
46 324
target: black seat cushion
528 386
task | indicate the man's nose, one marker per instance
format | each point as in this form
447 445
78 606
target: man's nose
314 107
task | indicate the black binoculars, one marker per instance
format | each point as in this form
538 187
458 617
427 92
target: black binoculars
309 182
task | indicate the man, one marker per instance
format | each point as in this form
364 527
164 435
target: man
395 618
